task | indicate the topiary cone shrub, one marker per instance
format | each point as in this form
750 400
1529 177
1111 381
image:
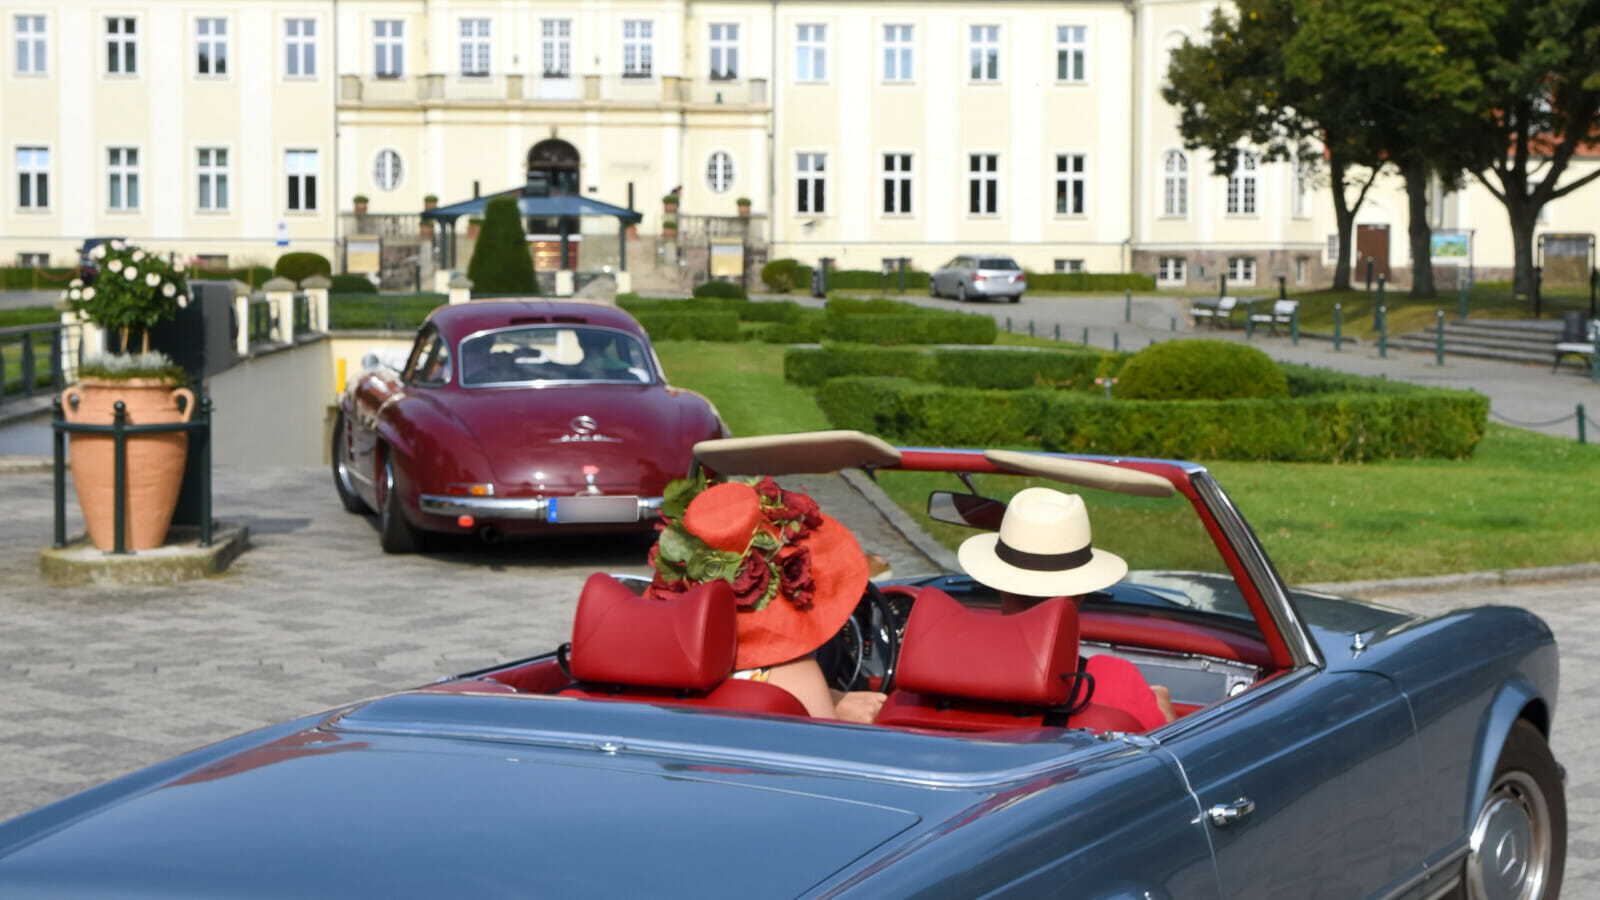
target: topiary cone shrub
1200 370
500 260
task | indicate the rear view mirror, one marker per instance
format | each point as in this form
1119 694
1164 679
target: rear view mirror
971 510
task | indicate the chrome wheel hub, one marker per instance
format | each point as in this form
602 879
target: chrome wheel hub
1510 843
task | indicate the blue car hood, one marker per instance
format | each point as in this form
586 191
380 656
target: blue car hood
438 795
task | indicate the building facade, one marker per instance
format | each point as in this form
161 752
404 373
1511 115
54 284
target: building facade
234 130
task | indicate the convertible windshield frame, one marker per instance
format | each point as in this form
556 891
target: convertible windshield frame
647 353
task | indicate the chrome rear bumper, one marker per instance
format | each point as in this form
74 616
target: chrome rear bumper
521 508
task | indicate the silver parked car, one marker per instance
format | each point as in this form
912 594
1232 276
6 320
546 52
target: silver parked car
979 277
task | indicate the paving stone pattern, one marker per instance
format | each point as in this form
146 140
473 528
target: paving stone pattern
97 682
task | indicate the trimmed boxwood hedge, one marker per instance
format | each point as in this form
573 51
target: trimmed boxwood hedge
690 326
352 284
1085 281
1324 427
1200 370
1008 368
911 328
872 280
27 278
302 264
727 289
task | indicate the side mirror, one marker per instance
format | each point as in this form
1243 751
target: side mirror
970 510
369 362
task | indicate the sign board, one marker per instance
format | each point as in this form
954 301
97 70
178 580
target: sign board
727 259
1451 248
283 233
363 253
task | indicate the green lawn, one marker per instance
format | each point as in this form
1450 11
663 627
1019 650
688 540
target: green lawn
1523 499
11 347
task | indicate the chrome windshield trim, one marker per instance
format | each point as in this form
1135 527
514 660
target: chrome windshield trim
511 507
1296 636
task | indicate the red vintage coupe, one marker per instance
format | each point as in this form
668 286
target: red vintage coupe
516 417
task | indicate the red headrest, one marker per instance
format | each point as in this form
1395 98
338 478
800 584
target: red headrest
685 643
978 654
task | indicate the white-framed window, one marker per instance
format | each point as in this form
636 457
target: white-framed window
211 46
724 51
1068 266
301 168
811 188
26 260
1301 204
33 178
555 46
898 53
1242 270
122 178
1175 184
719 172
1302 269
387 169
474 47
388 47
897 184
983 184
211 170
638 48
1331 254
1242 184
1172 270
811 53
1072 184
122 45
1072 53
32 39
983 52
300 48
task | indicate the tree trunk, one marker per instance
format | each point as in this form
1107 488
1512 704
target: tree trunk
1416 175
1344 220
1524 218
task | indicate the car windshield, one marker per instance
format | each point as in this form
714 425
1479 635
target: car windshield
998 262
554 353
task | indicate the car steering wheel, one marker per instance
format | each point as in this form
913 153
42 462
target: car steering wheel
872 631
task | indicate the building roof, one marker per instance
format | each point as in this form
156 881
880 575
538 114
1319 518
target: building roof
529 205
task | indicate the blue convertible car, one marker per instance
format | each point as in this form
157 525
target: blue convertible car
1323 747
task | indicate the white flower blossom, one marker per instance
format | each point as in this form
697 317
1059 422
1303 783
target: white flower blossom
88 293
118 245
115 265
183 300
178 267
130 273
152 279
98 252
76 282
168 289
74 294
138 255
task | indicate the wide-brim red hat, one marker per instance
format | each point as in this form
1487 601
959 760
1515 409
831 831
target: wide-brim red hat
727 516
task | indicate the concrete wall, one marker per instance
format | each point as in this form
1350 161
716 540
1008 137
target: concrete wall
272 409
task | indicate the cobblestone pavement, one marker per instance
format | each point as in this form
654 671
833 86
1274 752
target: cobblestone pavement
98 682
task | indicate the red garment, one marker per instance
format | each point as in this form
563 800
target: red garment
1120 684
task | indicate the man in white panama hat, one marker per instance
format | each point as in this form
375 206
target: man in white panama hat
1043 550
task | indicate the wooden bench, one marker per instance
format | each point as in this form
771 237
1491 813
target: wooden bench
1572 340
1282 314
1221 310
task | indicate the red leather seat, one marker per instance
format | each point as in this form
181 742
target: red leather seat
964 669
628 647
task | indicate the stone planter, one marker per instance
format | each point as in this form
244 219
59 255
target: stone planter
155 462
744 210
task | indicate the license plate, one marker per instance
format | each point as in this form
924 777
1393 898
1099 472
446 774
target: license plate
583 510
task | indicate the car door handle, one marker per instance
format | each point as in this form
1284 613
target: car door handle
1224 814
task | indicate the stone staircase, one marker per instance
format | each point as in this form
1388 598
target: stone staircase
1510 340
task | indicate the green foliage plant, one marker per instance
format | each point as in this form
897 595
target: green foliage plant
301 265
690 326
500 259
135 290
722 289
1200 370
349 283
128 366
779 275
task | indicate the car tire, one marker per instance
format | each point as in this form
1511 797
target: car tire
396 534
1527 804
961 294
341 471
933 289
1016 298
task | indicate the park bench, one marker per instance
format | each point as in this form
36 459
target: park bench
1214 311
1578 337
1282 313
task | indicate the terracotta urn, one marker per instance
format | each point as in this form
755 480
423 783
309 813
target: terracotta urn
155 462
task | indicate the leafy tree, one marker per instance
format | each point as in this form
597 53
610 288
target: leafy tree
1541 105
500 260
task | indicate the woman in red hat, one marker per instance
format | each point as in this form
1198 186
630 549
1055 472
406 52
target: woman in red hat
796 575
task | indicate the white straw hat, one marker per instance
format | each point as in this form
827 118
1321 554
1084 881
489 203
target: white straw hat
1042 549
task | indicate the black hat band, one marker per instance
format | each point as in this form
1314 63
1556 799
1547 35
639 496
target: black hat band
1043 562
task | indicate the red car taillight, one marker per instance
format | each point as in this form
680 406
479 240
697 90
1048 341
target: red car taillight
980 277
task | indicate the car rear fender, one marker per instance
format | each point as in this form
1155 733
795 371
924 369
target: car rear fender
1516 699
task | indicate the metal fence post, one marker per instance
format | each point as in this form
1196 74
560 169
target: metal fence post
1008 323
1058 331
1116 342
205 472
29 376
59 440
1086 335
1172 324
1030 328
1127 304
1462 315
1594 355
1438 341
1582 437
1338 323
1377 307
119 484
1294 326
1249 321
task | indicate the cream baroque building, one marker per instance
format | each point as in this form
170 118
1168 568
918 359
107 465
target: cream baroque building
860 131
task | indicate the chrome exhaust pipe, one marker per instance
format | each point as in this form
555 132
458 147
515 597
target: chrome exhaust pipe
489 534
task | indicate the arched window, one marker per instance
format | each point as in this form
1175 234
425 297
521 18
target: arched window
387 169
1175 184
719 172
1242 184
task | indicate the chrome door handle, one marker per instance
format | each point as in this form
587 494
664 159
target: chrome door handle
1224 814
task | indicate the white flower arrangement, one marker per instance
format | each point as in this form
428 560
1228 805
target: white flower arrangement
88 293
149 292
115 265
98 252
76 283
138 255
130 273
168 289
152 279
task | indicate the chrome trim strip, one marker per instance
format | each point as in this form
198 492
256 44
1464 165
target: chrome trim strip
1302 649
1446 880
537 508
